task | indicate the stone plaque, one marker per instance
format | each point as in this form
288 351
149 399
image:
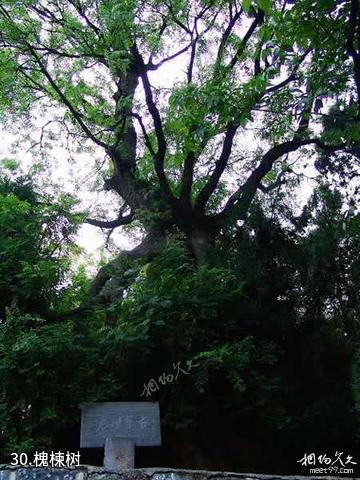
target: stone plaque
137 420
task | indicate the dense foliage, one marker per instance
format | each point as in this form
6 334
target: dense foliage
268 327
201 123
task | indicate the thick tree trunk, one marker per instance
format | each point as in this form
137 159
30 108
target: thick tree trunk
112 280
199 242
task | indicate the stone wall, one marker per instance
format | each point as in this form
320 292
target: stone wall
99 473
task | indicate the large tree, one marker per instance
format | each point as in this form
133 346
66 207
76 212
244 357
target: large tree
255 79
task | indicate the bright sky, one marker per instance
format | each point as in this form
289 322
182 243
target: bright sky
90 238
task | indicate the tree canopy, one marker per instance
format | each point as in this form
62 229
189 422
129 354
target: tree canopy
281 65
207 116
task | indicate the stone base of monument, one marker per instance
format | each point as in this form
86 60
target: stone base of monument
87 472
119 453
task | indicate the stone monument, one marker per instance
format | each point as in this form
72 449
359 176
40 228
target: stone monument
119 427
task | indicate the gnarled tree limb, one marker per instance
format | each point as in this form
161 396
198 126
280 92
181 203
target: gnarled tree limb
220 166
239 202
118 222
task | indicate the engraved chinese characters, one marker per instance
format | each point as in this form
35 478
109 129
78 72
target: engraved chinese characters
111 423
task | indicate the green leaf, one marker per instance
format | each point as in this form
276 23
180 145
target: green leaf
265 5
246 5
9 164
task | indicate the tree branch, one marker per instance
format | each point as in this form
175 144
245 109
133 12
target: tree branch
291 77
83 15
304 118
257 21
146 136
118 222
152 66
239 202
226 34
220 166
159 157
187 180
192 60
75 113
176 20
